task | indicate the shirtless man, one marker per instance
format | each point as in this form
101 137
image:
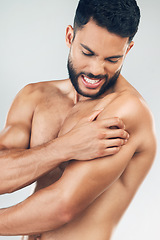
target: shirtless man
51 126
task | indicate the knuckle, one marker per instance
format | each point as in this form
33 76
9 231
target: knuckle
100 153
119 123
106 135
101 149
100 133
122 142
119 142
117 120
121 132
126 135
102 146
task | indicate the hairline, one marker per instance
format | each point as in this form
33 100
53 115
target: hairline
77 28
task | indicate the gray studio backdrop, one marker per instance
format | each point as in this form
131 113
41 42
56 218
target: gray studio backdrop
32 48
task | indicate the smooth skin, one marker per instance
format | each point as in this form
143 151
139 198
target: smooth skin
53 124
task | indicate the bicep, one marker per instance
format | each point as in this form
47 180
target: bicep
16 133
15 136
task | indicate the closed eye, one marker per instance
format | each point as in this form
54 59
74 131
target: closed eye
113 61
87 54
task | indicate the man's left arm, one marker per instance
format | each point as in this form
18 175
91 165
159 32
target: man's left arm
81 183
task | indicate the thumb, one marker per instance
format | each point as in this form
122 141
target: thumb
94 115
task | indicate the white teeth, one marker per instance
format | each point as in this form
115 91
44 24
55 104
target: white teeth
91 80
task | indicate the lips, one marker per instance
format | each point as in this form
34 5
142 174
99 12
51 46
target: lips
90 82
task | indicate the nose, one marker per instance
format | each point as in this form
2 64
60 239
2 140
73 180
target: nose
97 67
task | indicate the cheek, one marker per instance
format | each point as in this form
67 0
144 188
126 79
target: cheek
78 60
111 69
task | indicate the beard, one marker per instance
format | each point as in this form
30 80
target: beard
108 84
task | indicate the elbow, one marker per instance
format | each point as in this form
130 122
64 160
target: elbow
57 216
58 209
66 217
69 207
66 213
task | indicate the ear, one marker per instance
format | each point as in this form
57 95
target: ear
129 47
69 35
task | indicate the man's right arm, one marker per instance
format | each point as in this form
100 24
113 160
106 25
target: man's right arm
21 166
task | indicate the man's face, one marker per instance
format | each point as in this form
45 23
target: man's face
90 81
95 59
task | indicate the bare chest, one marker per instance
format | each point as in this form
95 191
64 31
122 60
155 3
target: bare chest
53 121
57 115
47 121
82 110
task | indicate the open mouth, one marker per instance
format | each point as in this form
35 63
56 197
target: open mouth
91 82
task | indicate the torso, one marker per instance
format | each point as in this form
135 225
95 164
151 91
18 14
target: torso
99 219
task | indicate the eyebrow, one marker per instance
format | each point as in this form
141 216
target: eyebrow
87 48
92 52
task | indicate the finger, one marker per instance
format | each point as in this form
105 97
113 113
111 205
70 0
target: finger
94 115
111 151
113 122
116 133
117 142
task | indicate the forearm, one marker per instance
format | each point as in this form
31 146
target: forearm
22 167
35 215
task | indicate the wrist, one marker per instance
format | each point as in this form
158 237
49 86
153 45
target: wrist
62 149
67 147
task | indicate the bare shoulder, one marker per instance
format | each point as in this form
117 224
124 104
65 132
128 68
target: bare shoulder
139 122
28 98
35 92
20 117
138 119
133 110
